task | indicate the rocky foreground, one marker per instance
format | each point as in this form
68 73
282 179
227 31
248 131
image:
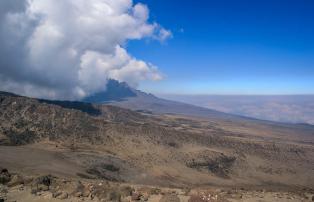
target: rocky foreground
16 187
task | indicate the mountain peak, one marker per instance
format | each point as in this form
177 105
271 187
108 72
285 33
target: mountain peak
115 91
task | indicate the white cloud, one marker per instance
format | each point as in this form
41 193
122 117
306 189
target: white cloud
163 34
66 49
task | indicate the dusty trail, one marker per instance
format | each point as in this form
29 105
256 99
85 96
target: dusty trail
32 160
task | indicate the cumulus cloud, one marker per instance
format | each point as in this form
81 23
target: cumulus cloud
68 49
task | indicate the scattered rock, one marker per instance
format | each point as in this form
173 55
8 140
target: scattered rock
126 199
115 196
3 189
47 195
218 190
155 191
34 190
27 180
44 188
39 193
195 198
56 194
78 194
20 187
39 188
136 196
170 198
3 192
144 197
43 180
62 196
126 191
86 193
79 186
239 196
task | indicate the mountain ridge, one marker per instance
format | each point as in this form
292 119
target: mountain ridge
146 102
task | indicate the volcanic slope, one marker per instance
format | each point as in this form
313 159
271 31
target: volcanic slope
85 140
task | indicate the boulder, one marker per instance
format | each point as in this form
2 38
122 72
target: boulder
16 180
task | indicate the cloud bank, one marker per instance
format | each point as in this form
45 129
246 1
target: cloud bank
68 49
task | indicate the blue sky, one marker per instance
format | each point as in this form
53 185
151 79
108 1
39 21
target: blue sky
231 47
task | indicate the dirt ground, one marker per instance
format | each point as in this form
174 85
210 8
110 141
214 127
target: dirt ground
23 194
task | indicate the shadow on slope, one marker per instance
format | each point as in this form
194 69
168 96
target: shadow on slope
81 106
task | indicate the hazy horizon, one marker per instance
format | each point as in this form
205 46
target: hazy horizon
281 108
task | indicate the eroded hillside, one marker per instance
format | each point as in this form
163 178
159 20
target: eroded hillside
105 142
